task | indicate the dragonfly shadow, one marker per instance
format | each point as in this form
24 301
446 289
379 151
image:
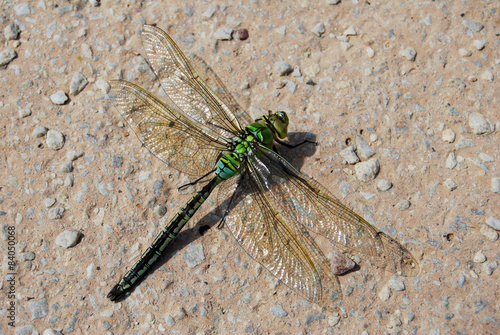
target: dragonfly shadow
296 156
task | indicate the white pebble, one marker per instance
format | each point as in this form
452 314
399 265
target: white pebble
283 68
464 52
409 53
103 85
363 148
68 238
55 140
370 52
479 257
489 267
385 293
448 135
479 45
74 154
349 155
366 171
78 83
40 131
383 185
489 233
493 223
350 31
396 284
403 205
25 112
319 29
487 75
480 124
495 185
223 33
6 56
486 158
59 98
450 184
451 161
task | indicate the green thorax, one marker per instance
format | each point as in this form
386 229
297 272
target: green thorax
264 131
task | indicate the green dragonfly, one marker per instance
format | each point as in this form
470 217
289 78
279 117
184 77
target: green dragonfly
271 208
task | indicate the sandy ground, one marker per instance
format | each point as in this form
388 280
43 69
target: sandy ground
418 81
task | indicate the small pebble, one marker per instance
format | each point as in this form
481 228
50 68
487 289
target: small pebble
479 124
489 233
223 33
385 293
103 85
160 210
408 53
194 254
278 311
59 98
55 140
74 154
6 56
332 2
209 12
487 75
56 213
479 45
366 171
451 161
319 29
11 31
25 112
370 52
350 31
464 143
67 167
40 131
472 25
464 52
169 320
495 185
78 83
479 257
349 155
242 34
403 205
283 68
383 185
87 51
363 148
69 181
493 223
489 267
341 263
450 184
448 135
49 202
486 158
68 238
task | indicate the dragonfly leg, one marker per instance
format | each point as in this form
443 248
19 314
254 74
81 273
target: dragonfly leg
291 146
183 187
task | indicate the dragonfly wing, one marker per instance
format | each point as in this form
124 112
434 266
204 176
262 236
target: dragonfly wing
208 76
170 136
290 255
304 201
184 86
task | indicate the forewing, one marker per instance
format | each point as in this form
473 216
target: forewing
288 253
171 137
184 86
303 200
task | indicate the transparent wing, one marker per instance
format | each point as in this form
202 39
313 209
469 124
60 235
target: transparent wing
287 251
302 201
184 86
209 77
176 140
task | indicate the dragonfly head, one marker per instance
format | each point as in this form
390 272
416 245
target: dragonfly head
278 123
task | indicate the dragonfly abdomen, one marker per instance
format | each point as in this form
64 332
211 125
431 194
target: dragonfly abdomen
163 239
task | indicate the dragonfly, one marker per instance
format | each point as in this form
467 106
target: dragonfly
272 209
